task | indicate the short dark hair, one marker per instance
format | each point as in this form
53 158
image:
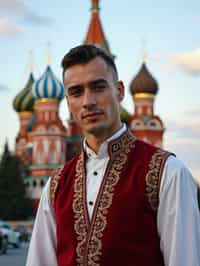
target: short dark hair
82 54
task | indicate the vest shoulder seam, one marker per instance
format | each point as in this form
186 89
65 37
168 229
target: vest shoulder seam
153 177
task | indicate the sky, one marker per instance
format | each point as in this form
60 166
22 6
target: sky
167 31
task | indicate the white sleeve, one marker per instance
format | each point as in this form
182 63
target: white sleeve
178 216
42 249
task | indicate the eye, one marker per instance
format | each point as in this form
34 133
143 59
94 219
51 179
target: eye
75 91
100 86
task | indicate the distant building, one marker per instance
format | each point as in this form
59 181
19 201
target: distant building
144 123
41 141
44 144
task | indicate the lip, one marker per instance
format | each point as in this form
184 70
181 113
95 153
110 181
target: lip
92 115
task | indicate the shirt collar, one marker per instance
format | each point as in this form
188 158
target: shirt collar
103 149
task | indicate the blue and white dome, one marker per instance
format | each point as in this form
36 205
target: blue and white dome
48 86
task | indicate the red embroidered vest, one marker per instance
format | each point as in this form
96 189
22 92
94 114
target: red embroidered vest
123 230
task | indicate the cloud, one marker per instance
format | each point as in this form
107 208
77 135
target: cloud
187 62
8 28
183 138
20 9
186 129
38 20
194 113
3 88
189 129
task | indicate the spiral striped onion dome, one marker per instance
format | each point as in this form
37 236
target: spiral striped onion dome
48 86
24 101
144 82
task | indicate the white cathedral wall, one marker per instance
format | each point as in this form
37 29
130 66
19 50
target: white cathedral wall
34 192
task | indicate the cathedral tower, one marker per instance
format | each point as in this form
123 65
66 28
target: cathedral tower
95 34
144 123
47 135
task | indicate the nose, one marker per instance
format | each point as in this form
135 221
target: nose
89 99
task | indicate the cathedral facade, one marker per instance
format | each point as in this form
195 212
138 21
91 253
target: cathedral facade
44 144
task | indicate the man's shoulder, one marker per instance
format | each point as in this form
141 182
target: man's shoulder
151 152
174 165
70 162
145 146
59 174
177 174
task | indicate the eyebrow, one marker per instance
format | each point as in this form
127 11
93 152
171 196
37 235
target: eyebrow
90 83
97 81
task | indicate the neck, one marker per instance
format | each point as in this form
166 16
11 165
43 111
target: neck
94 141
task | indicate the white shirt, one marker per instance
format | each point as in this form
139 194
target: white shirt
178 216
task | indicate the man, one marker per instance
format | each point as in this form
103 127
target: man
120 201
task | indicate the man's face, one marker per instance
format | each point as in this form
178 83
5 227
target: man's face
93 97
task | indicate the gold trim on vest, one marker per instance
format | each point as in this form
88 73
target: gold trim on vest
80 225
54 183
89 235
153 177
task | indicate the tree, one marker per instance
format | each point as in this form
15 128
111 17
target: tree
14 203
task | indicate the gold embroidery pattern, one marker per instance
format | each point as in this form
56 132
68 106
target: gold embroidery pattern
121 143
80 225
54 183
89 237
95 244
153 177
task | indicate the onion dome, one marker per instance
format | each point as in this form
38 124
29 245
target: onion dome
24 100
144 82
48 86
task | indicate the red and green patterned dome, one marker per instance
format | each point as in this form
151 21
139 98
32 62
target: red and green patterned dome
144 82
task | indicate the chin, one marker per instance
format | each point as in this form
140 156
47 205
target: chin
95 129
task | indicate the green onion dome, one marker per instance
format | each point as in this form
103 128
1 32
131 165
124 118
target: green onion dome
24 101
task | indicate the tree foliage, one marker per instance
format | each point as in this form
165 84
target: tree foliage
14 203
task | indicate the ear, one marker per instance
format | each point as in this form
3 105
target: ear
120 90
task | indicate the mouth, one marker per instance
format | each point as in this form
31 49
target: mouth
92 115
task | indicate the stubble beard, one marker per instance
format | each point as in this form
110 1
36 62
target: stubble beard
96 130
102 130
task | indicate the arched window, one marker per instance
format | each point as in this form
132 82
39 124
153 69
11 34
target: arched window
137 124
42 183
154 124
53 129
34 183
41 129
